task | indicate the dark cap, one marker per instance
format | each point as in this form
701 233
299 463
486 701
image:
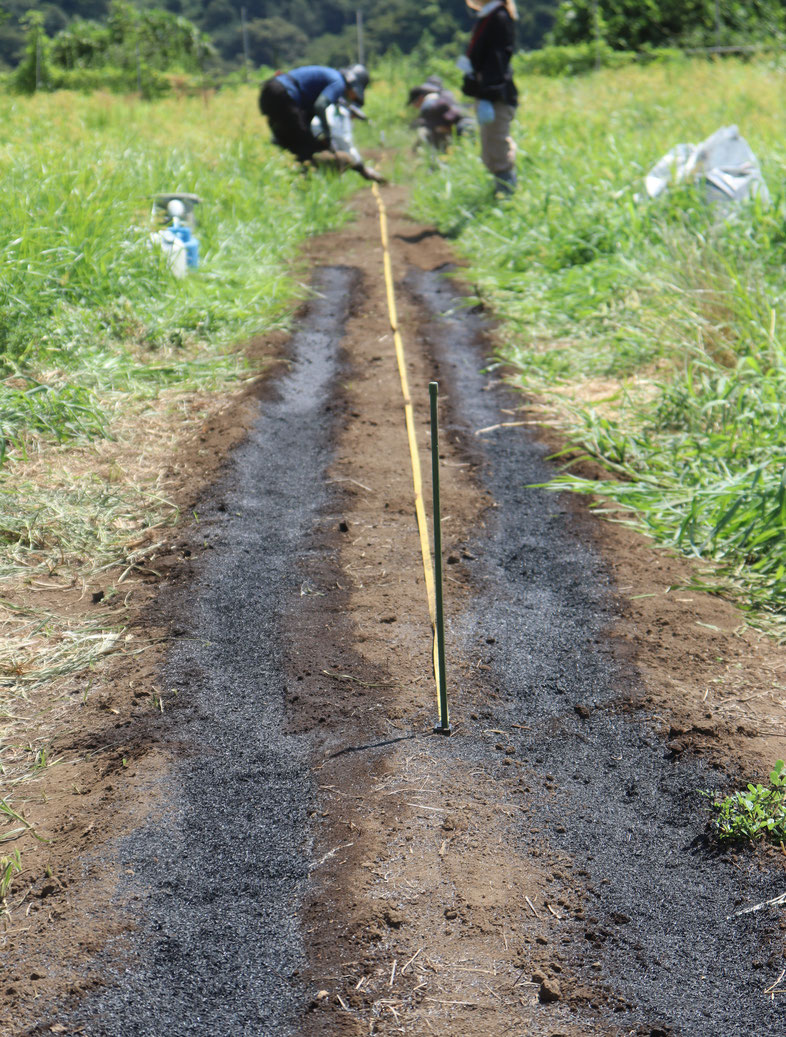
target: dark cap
356 77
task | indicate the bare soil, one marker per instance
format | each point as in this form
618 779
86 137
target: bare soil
426 912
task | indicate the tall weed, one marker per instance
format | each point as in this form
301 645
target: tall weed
655 330
79 280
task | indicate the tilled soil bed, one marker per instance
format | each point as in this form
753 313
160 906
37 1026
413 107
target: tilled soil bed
288 848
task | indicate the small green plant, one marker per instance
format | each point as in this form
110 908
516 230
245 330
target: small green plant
7 811
9 866
757 813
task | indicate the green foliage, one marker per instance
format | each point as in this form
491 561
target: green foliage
33 72
536 18
574 59
10 865
571 59
275 42
332 48
87 306
60 412
636 25
757 813
131 50
293 31
704 469
655 330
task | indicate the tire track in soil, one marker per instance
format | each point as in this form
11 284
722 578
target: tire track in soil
479 885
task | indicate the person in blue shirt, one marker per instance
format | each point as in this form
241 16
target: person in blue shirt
309 109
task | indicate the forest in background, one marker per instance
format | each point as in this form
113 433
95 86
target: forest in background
152 46
297 31
287 32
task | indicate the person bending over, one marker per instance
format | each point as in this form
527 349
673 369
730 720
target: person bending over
439 117
309 109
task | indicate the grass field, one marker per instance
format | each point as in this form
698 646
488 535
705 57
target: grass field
107 361
93 324
654 334
84 298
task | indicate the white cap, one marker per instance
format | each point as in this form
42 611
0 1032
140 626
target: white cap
175 207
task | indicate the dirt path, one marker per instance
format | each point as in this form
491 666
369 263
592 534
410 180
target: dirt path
301 855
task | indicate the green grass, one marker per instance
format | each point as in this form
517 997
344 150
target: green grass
10 865
85 302
655 333
106 359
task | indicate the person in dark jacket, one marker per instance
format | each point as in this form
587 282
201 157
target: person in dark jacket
489 80
309 109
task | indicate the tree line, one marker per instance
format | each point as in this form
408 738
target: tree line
277 34
74 42
637 25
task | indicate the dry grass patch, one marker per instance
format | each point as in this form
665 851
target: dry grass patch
83 526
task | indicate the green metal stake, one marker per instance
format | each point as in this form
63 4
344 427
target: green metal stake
443 728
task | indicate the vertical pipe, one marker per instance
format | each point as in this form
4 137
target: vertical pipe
439 619
244 28
361 46
596 32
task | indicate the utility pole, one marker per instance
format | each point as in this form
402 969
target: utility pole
244 27
361 48
596 31
717 24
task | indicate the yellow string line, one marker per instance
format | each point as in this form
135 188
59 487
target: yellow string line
417 479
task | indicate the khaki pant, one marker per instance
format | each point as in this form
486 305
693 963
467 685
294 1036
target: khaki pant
496 145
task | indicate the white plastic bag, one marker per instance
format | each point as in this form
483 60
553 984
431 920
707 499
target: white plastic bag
339 125
724 162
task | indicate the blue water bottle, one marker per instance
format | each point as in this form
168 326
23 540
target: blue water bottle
190 242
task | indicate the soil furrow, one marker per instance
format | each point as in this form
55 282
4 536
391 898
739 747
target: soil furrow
314 860
654 918
218 874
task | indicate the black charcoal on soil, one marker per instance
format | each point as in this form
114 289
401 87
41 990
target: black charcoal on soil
615 800
216 880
